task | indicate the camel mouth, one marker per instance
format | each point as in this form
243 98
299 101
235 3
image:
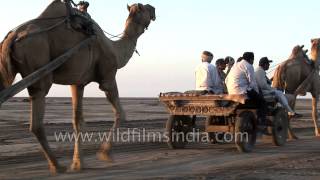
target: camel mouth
152 16
146 27
152 11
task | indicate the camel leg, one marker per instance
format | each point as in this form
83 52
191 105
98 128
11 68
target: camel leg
112 95
291 134
36 127
77 96
292 103
315 115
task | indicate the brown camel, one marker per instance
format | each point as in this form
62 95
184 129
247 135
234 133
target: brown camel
28 48
299 75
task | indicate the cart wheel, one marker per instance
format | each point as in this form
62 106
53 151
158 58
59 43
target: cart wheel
212 137
280 127
177 128
245 131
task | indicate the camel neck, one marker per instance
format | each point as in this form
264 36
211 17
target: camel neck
127 44
125 48
315 58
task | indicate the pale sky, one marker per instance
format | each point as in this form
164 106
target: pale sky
171 48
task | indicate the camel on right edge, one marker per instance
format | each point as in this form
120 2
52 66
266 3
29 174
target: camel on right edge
299 75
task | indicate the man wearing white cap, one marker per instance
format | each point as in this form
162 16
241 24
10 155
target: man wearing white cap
206 74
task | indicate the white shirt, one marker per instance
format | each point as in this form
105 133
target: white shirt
241 78
206 77
261 79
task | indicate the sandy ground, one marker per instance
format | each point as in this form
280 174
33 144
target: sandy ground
21 158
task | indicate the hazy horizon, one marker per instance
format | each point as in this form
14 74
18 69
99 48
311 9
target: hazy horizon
170 49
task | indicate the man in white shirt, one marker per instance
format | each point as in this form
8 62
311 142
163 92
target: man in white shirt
264 84
206 74
241 80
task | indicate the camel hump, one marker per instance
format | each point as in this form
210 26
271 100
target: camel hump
298 53
79 21
55 9
277 80
62 9
279 73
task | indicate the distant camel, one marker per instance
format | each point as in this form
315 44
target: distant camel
33 45
299 75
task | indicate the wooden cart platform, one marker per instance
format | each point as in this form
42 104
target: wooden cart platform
225 114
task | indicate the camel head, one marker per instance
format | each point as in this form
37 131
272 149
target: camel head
298 52
315 48
141 15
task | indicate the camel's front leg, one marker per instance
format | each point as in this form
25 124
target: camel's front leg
77 96
315 115
111 91
36 126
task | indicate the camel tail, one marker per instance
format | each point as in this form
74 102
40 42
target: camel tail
277 81
7 73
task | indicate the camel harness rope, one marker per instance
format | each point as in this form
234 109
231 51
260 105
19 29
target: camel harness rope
43 71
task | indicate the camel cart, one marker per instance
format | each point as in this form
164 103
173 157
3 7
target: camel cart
231 114
41 72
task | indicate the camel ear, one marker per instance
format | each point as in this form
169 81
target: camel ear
302 46
128 7
140 7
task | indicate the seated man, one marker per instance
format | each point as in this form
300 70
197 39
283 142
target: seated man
206 74
221 85
83 7
265 87
241 80
80 20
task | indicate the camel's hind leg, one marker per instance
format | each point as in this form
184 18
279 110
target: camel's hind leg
292 103
36 127
112 94
29 55
291 134
77 96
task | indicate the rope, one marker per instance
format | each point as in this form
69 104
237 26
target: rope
42 30
52 27
40 19
273 68
119 36
74 4
52 18
113 36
